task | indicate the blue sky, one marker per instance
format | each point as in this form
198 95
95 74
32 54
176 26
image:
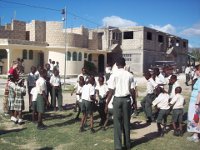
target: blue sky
178 17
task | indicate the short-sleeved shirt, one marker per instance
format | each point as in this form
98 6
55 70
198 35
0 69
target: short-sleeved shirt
162 101
87 91
160 79
31 79
55 80
13 72
79 91
121 81
178 101
151 84
34 94
103 89
41 85
174 86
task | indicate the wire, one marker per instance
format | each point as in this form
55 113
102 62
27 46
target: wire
52 9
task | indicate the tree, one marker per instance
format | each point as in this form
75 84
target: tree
196 53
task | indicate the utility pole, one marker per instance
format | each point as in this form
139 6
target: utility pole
64 19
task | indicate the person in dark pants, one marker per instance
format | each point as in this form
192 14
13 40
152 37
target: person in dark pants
101 94
146 103
55 82
121 85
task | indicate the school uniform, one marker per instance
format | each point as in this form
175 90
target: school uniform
31 81
103 90
19 98
87 104
162 103
146 103
121 81
178 106
49 87
174 86
78 99
160 79
55 81
34 98
41 86
11 95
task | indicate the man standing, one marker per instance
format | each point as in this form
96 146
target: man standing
121 85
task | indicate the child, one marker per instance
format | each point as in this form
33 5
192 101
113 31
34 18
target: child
102 92
55 82
78 89
33 99
32 77
177 112
162 103
88 97
146 103
20 91
11 97
41 98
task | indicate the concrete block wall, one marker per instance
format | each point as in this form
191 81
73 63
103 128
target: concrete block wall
55 34
31 28
18 25
40 31
136 42
8 34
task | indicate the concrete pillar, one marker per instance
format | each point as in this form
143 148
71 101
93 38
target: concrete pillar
9 61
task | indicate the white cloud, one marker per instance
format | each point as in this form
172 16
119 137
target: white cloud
193 31
117 22
166 28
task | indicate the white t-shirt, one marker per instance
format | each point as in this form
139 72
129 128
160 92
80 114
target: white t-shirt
121 81
151 84
41 85
162 101
172 94
34 94
87 91
103 89
79 91
160 79
178 101
55 80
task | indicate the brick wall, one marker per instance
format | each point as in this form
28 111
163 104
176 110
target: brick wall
18 25
8 34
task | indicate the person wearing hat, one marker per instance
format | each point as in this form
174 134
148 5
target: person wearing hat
121 85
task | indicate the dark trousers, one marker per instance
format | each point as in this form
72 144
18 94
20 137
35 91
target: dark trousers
49 91
187 76
101 110
122 113
146 104
57 94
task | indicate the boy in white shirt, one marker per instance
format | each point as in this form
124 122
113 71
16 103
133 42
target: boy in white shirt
88 99
33 99
55 82
162 103
102 92
78 89
178 103
146 103
41 98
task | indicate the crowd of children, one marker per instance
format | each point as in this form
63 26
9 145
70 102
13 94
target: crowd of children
45 90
